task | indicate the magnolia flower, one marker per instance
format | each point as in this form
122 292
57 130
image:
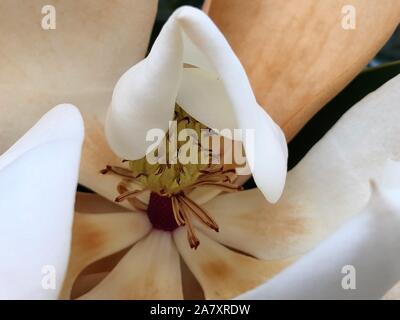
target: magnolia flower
255 240
174 196
266 237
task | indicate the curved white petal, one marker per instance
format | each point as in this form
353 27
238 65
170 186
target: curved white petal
38 178
267 153
219 95
144 97
202 94
365 249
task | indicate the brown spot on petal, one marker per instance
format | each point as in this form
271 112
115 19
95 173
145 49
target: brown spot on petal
87 237
222 272
218 270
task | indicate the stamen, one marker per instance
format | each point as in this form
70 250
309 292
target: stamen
159 170
169 183
187 119
191 235
134 201
210 170
129 194
177 212
199 212
225 186
120 172
217 177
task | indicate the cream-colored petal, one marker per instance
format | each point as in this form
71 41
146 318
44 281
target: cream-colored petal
144 98
78 62
150 270
327 187
190 286
93 203
223 273
38 179
363 254
202 195
96 236
247 222
296 52
393 293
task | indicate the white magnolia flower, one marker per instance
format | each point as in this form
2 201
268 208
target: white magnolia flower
38 179
265 237
256 239
45 162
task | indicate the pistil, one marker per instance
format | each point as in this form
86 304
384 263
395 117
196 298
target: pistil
167 212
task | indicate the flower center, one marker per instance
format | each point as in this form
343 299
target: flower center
161 213
170 184
166 174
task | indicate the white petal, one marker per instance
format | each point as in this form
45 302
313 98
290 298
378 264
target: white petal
332 179
144 97
150 270
38 178
267 155
219 95
202 94
193 56
366 248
